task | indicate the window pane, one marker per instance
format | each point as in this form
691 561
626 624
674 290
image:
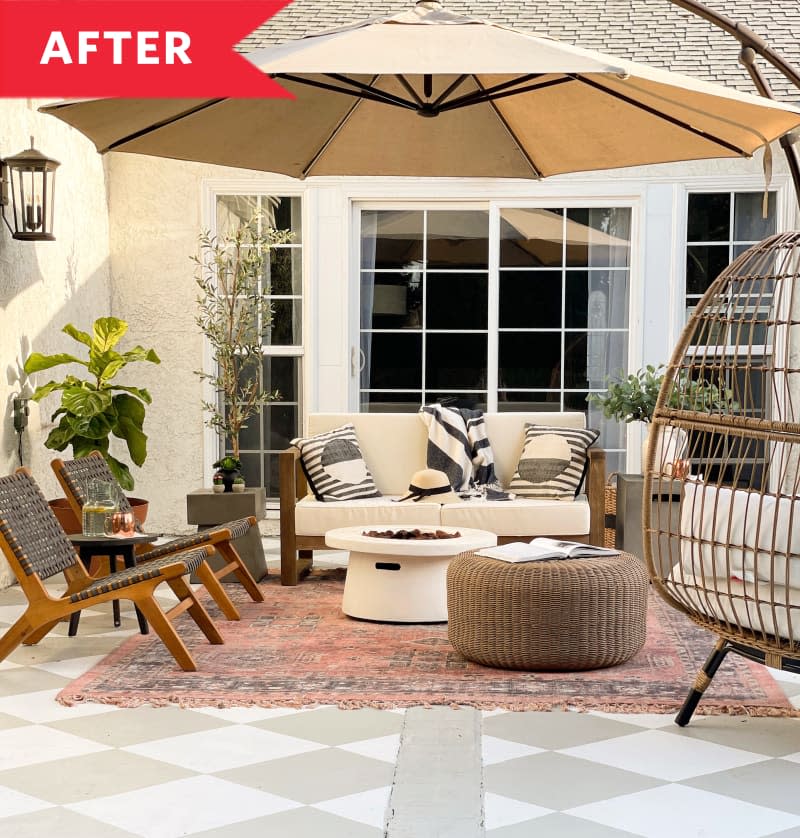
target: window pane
280 425
456 301
530 360
704 263
282 374
390 239
391 300
531 237
284 214
286 326
530 299
391 402
598 237
391 361
250 437
588 358
597 300
458 239
285 271
233 211
509 402
251 469
271 479
470 401
749 224
709 217
455 362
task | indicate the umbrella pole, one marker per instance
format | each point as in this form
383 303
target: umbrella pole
753 45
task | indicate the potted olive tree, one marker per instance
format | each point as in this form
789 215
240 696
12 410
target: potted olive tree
632 398
235 310
96 407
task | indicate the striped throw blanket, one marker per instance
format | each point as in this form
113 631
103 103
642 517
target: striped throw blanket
458 445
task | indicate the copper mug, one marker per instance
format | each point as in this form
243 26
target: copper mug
120 524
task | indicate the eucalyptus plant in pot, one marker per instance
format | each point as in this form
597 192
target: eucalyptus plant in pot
632 398
235 312
97 407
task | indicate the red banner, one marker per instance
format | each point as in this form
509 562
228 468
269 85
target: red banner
133 48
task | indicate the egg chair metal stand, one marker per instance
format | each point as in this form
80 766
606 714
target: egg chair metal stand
729 557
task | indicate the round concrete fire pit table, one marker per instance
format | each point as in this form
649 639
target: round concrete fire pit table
401 580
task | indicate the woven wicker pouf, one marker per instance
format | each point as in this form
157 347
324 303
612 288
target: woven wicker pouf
551 615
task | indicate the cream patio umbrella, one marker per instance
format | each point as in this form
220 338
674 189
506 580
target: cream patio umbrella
430 93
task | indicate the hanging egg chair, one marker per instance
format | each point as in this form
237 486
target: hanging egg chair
723 542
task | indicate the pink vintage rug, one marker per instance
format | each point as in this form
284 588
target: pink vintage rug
298 648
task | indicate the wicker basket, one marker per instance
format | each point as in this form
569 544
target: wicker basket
610 532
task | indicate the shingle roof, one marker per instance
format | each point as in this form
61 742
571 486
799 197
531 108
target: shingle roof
651 31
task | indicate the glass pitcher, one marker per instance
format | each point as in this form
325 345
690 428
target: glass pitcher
100 504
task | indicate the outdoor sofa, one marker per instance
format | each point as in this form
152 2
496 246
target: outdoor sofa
394 447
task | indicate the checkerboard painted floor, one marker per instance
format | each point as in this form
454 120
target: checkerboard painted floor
95 771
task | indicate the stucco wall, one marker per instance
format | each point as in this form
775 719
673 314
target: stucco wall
45 285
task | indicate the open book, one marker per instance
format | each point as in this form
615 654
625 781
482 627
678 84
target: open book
541 549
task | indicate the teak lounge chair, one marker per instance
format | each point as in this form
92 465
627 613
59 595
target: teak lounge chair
37 548
74 477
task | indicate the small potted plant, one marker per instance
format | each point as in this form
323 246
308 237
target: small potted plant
229 468
217 483
238 483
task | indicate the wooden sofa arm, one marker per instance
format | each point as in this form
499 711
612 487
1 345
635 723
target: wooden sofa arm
596 495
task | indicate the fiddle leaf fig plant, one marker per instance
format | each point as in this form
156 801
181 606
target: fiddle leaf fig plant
96 407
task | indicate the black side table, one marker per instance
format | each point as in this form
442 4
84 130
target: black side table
114 547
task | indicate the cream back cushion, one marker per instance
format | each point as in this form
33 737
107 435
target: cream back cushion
394 444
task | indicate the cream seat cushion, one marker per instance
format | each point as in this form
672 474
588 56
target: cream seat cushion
523 516
313 517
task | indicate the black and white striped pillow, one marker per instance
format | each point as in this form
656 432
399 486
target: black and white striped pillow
553 462
334 465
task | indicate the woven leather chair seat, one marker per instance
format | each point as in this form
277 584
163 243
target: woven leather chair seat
547 616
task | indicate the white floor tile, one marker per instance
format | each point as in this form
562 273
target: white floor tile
499 750
504 811
655 753
227 747
669 811
183 807
9 614
367 807
384 748
15 803
70 667
41 707
31 744
8 664
780 675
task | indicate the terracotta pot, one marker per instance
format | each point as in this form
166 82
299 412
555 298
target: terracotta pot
72 524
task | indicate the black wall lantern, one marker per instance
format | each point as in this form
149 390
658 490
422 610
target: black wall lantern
27 187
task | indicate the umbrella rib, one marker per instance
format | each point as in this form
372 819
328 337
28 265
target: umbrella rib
161 124
476 98
456 84
411 92
661 115
362 91
522 150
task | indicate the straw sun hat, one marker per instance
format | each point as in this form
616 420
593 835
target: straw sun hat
430 485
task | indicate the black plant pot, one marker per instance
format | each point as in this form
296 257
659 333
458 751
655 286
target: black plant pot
228 478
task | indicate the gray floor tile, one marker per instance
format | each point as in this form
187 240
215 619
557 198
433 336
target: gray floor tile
557 826
331 726
771 737
555 730
86 777
6 721
787 833
24 680
60 822
315 776
60 647
773 783
298 823
140 724
556 781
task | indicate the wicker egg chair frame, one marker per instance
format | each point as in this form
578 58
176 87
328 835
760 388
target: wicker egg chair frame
723 545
